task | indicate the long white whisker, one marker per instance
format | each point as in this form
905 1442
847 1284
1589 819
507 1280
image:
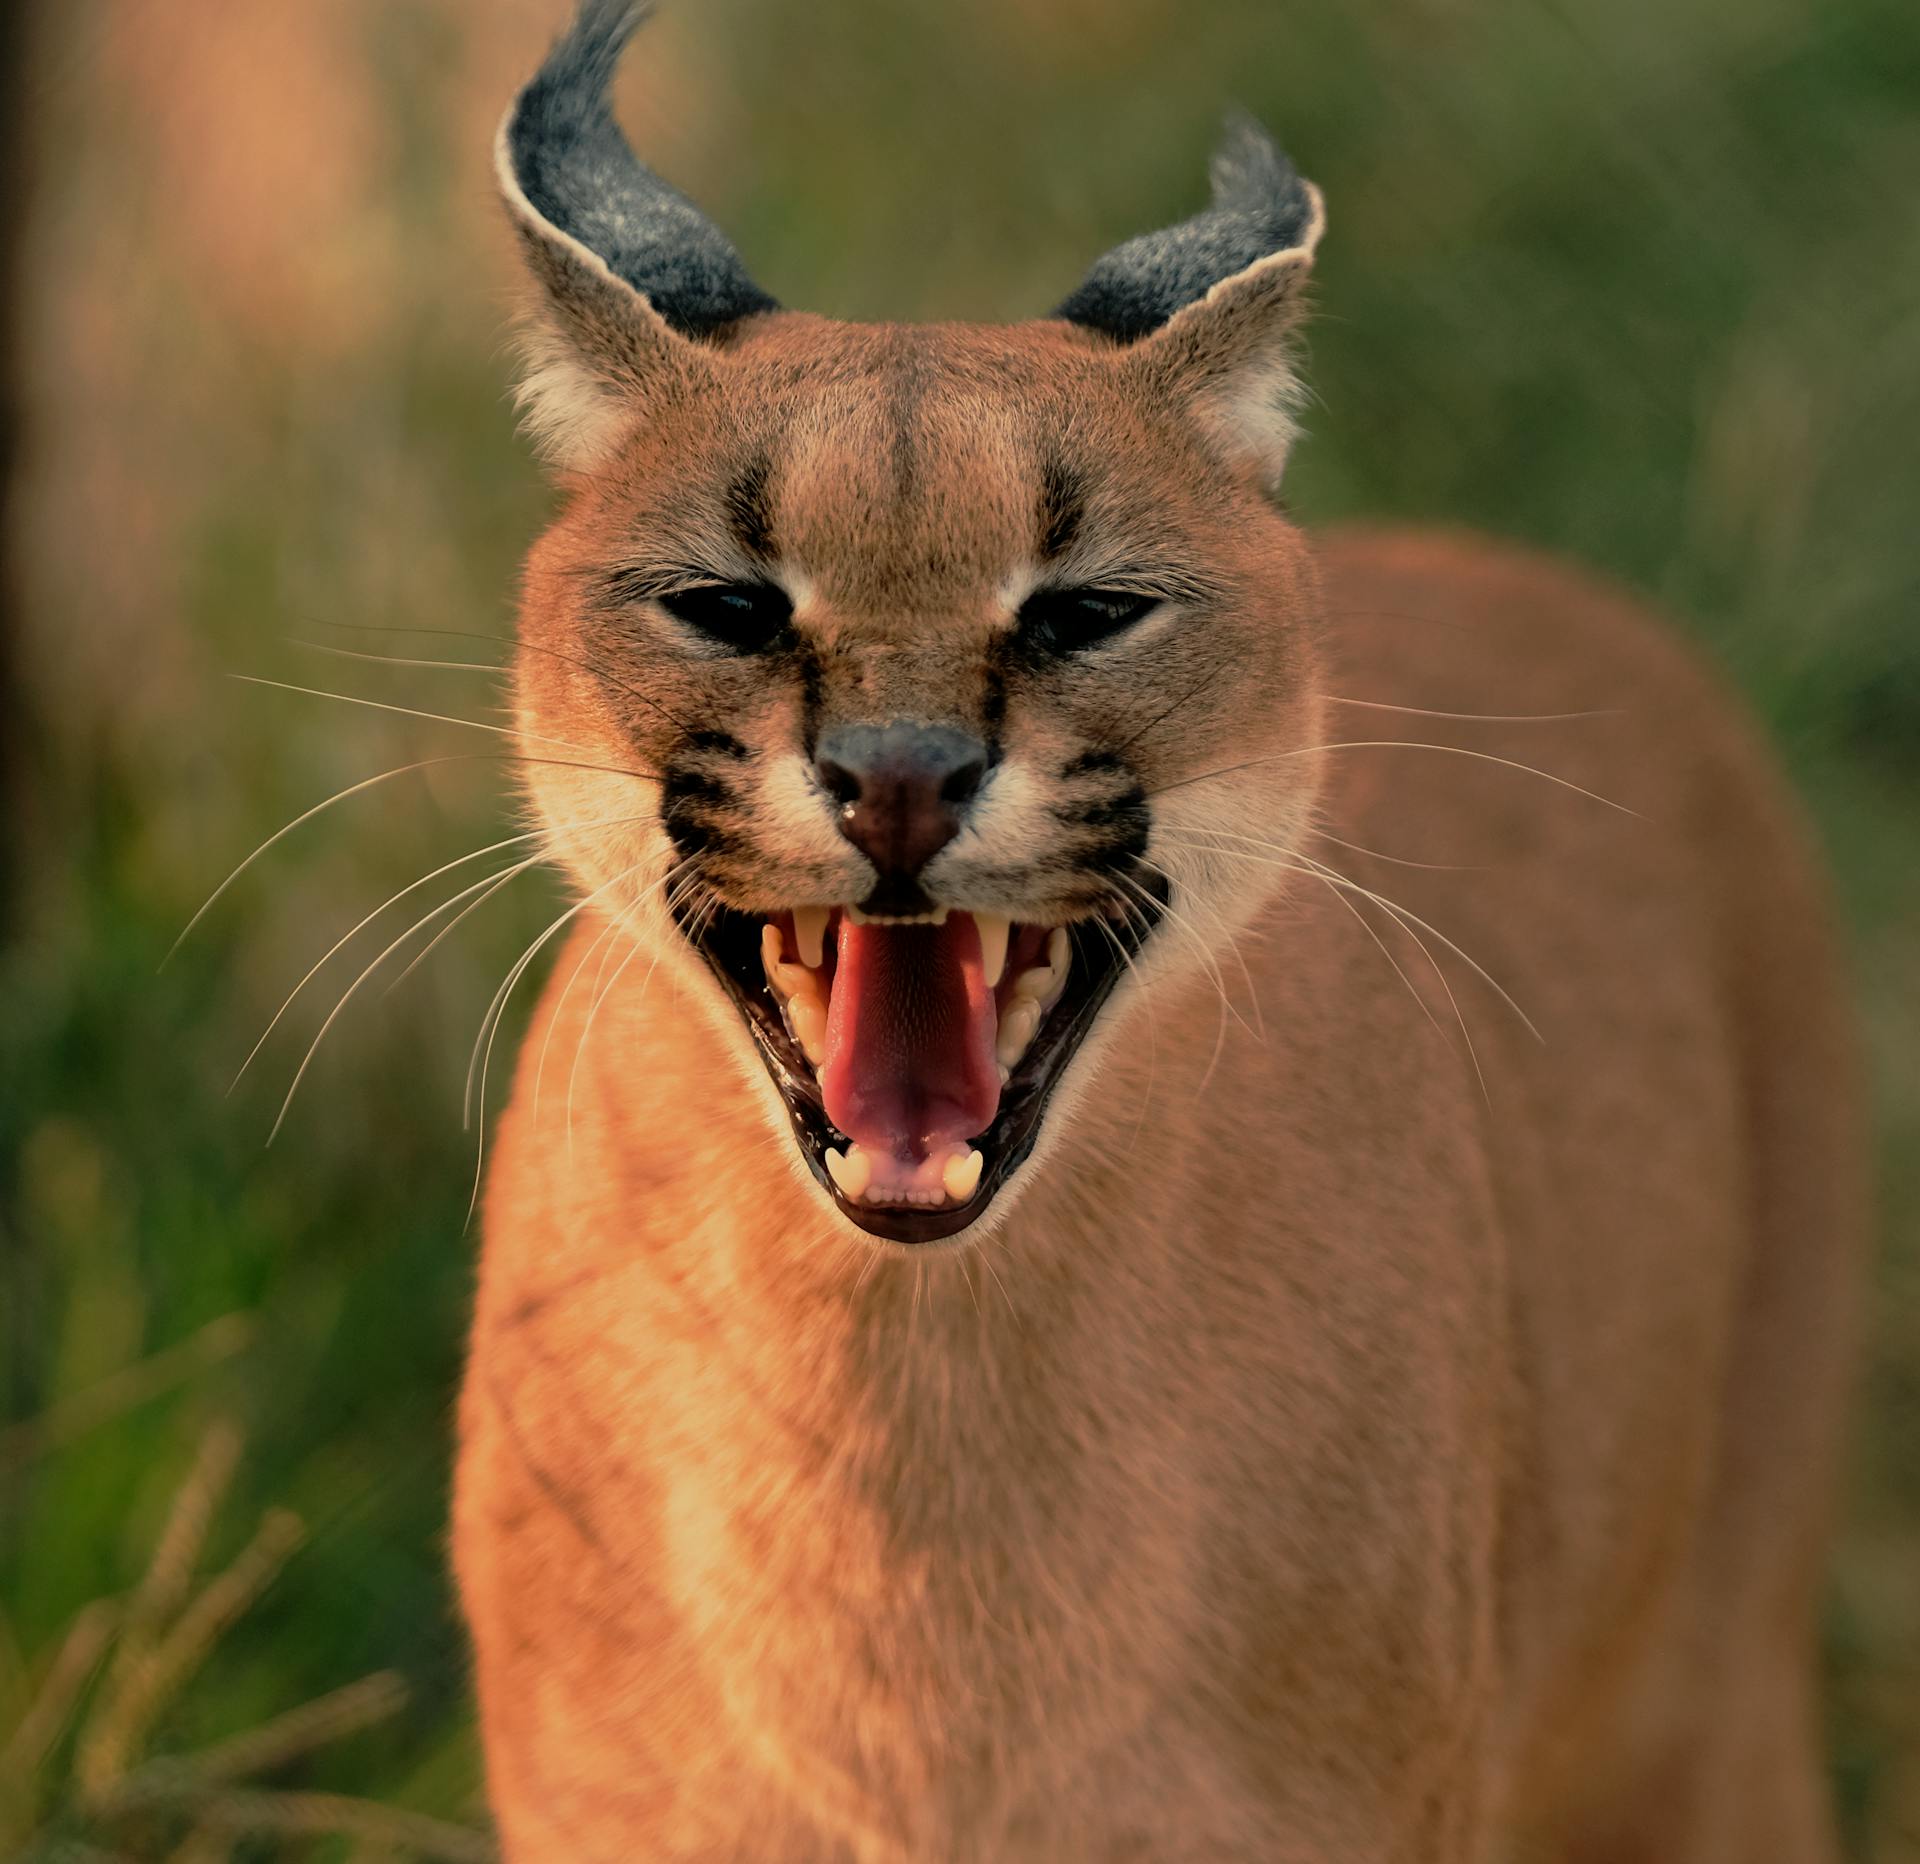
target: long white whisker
491 884
1481 718
408 711
1397 860
592 668
499 667
367 783
1306 863
679 880
1405 913
496 1012
1323 876
481 1040
1207 960
1259 1030
347 937
1153 1031
603 944
1402 744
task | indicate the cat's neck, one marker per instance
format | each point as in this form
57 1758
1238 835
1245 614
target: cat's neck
817 1329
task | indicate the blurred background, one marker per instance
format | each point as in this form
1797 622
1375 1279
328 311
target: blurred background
1635 280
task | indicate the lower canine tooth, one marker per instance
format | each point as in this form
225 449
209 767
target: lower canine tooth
852 1171
807 1018
810 933
1044 982
993 929
962 1175
1017 1028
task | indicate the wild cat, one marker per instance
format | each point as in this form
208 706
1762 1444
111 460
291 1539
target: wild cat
1210 1197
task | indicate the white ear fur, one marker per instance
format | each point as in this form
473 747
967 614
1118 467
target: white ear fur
584 343
1232 353
570 413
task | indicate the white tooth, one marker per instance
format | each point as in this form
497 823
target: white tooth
939 915
993 928
1005 1073
851 1170
1017 1025
855 914
962 1175
1044 982
807 1018
810 933
772 950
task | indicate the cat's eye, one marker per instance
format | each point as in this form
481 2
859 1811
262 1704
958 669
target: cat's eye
746 617
1063 621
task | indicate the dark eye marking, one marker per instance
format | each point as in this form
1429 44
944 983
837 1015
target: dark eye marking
719 743
1063 502
1066 621
749 512
746 617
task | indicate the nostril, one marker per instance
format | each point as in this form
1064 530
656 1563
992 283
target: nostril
962 784
842 784
901 790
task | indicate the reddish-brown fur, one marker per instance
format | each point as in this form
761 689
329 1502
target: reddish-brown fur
1363 1432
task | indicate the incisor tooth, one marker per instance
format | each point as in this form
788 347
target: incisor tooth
1021 1019
852 1171
993 928
810 933
962 1175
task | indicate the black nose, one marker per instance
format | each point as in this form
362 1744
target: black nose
903 791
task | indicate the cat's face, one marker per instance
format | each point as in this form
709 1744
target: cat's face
922 689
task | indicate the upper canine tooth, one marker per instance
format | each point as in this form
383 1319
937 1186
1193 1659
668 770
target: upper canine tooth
810 933
993 929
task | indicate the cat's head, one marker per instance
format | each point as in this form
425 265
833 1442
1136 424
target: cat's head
965 664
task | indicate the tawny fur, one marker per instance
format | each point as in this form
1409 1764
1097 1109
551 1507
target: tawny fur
1322 1456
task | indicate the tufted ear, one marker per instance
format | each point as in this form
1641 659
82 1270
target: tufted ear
1210 307
632 275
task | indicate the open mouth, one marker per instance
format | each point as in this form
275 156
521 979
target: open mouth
916 1057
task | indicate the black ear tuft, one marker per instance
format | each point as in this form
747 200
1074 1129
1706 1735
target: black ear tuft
563 156
1261 206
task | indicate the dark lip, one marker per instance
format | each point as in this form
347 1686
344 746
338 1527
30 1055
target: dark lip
730 942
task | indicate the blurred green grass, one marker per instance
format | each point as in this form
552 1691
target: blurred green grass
1637 282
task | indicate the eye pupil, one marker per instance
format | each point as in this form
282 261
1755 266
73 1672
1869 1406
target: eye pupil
744 616
1063 621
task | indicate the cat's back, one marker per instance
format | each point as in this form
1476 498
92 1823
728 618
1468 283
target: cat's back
1617 885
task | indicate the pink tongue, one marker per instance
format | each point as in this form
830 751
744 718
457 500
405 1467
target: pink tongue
910 1028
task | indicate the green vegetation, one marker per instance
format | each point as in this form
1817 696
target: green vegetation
1636 282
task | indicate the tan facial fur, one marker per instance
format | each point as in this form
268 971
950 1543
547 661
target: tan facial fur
1389 1414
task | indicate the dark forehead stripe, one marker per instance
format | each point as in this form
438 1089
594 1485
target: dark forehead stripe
748 511
1063 506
